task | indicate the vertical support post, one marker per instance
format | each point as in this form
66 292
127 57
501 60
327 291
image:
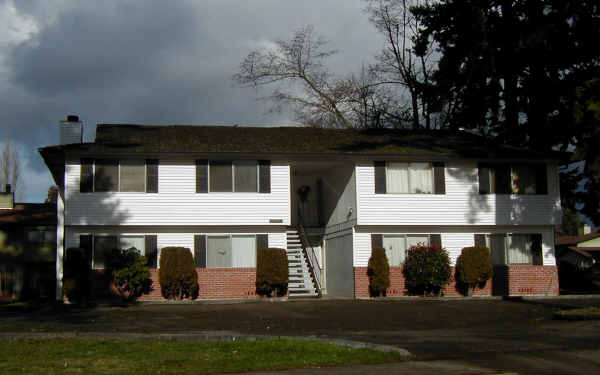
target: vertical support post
60 244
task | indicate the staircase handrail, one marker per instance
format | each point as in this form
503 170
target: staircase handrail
315 269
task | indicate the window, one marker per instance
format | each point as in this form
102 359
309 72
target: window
40 235
396 246
224 251
411 178
245 176
104 244
512 179
138 242
106 175
515 249
221 176
132 175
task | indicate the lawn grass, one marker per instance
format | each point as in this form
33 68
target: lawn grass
91 356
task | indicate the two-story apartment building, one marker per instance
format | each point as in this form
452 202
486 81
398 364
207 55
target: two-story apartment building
328 196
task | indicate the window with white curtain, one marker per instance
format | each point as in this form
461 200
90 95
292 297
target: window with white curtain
243 251
409 178
515 248
225 251
396 246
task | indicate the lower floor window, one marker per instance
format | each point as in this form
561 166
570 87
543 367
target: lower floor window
396 246
515 248
230 251
104 244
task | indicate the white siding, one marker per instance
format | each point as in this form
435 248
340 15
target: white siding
461 205
453 239
278 240
177 202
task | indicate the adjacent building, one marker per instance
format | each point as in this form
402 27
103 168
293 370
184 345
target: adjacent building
27 249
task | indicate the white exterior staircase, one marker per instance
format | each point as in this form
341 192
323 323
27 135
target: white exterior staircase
301 283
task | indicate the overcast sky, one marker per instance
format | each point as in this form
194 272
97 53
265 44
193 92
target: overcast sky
149 62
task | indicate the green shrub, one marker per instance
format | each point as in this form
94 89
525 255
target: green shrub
127 273
473 268
271 272
426 270
177 275
379 272
77 276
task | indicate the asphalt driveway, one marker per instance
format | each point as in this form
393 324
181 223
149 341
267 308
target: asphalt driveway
505 335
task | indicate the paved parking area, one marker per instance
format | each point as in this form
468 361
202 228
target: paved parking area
504 335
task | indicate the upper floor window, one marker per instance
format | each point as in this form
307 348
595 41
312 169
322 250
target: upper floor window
131 175
512 179
247 176
409 178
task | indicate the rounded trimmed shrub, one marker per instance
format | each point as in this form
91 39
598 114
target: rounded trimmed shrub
272 272
378 272
128 274
426 270
474 268
77 276
177 274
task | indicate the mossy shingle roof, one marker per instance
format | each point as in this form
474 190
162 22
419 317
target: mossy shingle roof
119 139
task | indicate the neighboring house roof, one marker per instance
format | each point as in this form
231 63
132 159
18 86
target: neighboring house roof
125 139
574 240
29 214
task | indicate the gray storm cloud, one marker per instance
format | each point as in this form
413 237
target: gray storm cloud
155 62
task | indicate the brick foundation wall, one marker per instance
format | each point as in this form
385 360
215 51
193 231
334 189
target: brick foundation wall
524 279
520 280
215 283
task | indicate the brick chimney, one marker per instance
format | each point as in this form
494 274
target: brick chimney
71 130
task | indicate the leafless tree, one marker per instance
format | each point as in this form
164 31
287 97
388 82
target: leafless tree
404 60
10 169
298 66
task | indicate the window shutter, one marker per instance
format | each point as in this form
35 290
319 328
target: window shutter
262 241
151 176
439 178
380 177
201 176
85 243
479 239
86 176
264 176
484 179
536 250
376 241
200 250
152 250
435 239
541 180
